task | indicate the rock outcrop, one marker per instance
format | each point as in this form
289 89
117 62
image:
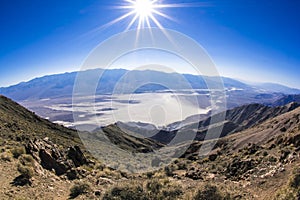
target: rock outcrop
51 157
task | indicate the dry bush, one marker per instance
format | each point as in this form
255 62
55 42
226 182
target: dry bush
295 180
6 156
156 189
18 151
79 188
210 192
132 192
26 159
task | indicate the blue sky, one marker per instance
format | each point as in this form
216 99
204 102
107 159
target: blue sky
247 39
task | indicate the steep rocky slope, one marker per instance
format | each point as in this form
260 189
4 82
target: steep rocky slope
263 160
129 142
259 162
16 122
236 119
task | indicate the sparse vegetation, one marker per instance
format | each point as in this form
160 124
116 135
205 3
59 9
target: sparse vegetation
237 170
79 188
169 170
25 171
182 165
18 151
210 192
26 159
6 156
135 192
295 180
156 189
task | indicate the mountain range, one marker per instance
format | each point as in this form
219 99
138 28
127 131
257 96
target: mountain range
51 96
61 85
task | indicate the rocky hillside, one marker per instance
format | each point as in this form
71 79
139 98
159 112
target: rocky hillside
129 142
41 160
18 123
263 160
236 119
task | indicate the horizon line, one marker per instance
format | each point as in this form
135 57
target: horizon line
248 82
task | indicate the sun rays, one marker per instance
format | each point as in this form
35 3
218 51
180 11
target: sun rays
143 13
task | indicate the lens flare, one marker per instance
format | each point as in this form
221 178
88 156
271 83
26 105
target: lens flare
147 13
143 8
144 13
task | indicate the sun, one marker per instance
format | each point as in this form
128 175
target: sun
143 13
143 8
146 13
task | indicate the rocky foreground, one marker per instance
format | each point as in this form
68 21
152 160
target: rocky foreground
41 160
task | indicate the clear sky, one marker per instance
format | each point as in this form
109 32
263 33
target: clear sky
253 40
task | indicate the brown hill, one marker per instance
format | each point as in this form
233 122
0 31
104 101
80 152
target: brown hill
130 142
260 161
17 123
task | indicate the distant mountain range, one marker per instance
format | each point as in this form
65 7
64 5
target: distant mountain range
61 85
51 96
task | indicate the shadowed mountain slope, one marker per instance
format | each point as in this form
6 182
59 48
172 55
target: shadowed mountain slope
16 121
129 142
236 120
287 99
18 124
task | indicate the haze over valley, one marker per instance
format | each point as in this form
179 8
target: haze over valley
158 98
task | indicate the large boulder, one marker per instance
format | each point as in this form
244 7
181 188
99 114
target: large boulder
76 155
51 157
60 166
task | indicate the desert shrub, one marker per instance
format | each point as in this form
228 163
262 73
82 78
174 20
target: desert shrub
26 159
149 175
295 180
25 171
265 153
126 192
169 170
169 193
6 157
272 159
79 188
210 192
18 151
154 186
292 190
287 194
157 189
182 165
284 155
